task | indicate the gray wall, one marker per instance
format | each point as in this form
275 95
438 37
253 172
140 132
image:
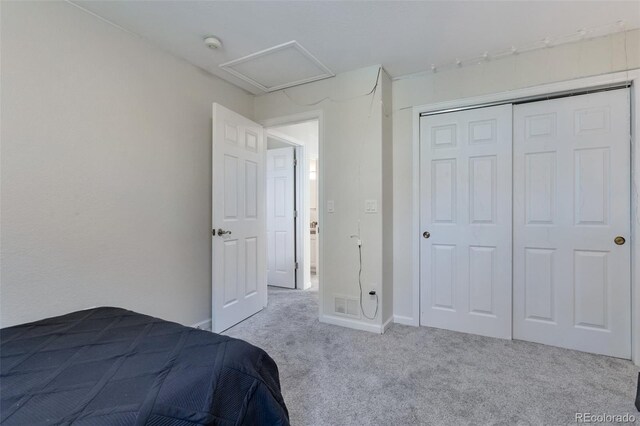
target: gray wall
105 169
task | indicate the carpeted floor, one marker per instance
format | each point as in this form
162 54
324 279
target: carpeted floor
416 375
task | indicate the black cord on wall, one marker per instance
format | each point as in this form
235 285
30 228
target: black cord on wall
360 284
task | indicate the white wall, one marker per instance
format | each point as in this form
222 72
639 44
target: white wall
106 169
351 172
592 57
276 143
307 132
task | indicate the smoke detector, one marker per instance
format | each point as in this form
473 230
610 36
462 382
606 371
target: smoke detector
212 42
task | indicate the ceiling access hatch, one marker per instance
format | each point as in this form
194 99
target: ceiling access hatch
278 67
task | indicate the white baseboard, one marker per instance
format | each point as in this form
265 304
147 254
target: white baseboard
387 323
306 285
351 323
401 319
203 325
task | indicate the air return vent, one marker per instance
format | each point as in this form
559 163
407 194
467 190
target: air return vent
278 67
346 306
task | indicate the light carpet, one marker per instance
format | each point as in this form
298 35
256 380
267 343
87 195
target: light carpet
332 375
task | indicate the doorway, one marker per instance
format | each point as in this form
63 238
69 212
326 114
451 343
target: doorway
292 205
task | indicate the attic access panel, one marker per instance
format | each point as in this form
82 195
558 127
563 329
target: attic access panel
278 67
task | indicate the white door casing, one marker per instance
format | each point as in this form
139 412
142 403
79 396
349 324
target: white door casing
466 206
239 287
280 217
572 285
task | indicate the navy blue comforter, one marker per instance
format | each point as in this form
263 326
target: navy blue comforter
110 366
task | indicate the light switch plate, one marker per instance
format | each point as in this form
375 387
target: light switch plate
331 207
371 206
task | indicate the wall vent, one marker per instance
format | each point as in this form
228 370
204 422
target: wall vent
346 306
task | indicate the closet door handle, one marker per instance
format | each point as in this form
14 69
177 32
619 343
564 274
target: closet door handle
426 234
222 232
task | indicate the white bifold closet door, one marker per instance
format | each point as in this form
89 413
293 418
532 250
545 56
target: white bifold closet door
571 201
281 260
465 193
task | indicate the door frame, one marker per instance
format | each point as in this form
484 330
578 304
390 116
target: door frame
301 118
299 191
581 84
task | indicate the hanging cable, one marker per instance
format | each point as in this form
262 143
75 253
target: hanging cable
360 279
328 98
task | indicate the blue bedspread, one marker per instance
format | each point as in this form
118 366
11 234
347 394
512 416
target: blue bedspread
110 366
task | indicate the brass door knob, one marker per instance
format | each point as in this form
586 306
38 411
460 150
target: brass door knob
426 234
619 240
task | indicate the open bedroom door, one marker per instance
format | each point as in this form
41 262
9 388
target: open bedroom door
239 286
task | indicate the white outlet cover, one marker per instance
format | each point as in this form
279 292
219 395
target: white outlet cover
371 206
331 207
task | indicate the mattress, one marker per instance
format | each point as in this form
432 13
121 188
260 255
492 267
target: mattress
110 366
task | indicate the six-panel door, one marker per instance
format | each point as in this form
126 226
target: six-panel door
238 220
280 218
465 187
571 200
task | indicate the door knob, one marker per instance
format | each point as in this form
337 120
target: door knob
426 234
222 232
619 240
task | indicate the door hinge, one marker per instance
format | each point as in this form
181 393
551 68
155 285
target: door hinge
295 162
296 265
295 213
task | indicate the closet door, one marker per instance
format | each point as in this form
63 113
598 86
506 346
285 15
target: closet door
572 282
465 216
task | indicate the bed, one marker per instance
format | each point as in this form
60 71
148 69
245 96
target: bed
110 366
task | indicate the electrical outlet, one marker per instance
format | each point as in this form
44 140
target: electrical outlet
371 206
331 207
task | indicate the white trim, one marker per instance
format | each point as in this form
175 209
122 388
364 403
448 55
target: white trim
227 66
300 118
279 136
576 84
351 323
404 320
562 86
302 219
635 219
387 324
416 219
203 325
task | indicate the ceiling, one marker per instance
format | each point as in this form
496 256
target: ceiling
405 37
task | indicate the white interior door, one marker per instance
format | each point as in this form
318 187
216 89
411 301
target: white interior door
281 269
572 284
465 214
239 287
